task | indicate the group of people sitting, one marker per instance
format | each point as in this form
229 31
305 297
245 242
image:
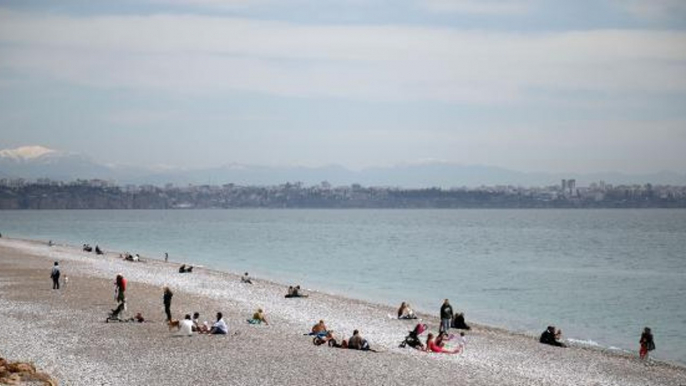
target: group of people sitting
129 257
86 248
189 325
185 269
405 312
436 344
295 292
322 335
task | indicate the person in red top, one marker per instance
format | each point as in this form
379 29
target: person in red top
431 346
120 284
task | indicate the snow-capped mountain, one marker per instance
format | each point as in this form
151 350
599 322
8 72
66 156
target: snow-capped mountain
32 162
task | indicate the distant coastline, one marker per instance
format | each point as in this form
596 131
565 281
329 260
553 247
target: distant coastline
100 194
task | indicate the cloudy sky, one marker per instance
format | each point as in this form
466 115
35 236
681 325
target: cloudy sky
532 85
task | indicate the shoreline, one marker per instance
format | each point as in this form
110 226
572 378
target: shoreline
488 345
572 342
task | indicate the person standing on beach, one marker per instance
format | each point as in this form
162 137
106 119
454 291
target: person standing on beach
166 257
55 276
647 343
446 316
167 297
120 288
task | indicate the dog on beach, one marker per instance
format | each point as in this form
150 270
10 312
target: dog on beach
174 323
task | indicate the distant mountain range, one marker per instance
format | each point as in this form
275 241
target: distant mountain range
33 162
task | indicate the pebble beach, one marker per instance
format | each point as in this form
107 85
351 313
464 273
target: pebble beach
64 333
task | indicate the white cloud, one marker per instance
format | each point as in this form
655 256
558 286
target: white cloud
480 6
200 54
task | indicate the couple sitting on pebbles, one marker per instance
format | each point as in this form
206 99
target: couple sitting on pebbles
188 326
294 292
323 335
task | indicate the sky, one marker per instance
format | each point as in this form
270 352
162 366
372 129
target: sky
531 85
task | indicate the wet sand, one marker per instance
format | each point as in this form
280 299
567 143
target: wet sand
64 333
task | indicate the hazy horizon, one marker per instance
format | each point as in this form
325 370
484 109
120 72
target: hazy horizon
527 85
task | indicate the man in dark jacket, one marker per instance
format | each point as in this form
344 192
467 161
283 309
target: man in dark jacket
55 276
548 337
446 316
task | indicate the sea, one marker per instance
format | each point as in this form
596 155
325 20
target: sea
599 275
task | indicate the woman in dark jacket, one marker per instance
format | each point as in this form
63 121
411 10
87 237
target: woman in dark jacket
647 343
167 302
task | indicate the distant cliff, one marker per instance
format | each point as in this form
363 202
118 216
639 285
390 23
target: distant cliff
98 195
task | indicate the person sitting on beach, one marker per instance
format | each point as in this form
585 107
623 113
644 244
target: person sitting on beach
98 251
431 346
459 323
198 327
186 326
258 318
548 337
294 292
319 328
441 338
405 312
246 279
219 327
357 342
184 269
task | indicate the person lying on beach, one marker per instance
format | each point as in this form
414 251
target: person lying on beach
431 346
219 327
548 337
246 279
258 318
405 312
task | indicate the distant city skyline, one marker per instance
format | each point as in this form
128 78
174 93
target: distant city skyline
528 85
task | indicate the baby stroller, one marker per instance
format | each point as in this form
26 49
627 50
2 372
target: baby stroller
114 314
412 339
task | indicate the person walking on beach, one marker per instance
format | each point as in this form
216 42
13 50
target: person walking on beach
647 343
446 316
55 276
167 298
120 288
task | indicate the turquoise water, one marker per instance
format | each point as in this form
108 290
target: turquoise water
600 275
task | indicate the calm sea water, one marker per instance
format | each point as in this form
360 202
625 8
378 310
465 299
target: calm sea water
600 275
